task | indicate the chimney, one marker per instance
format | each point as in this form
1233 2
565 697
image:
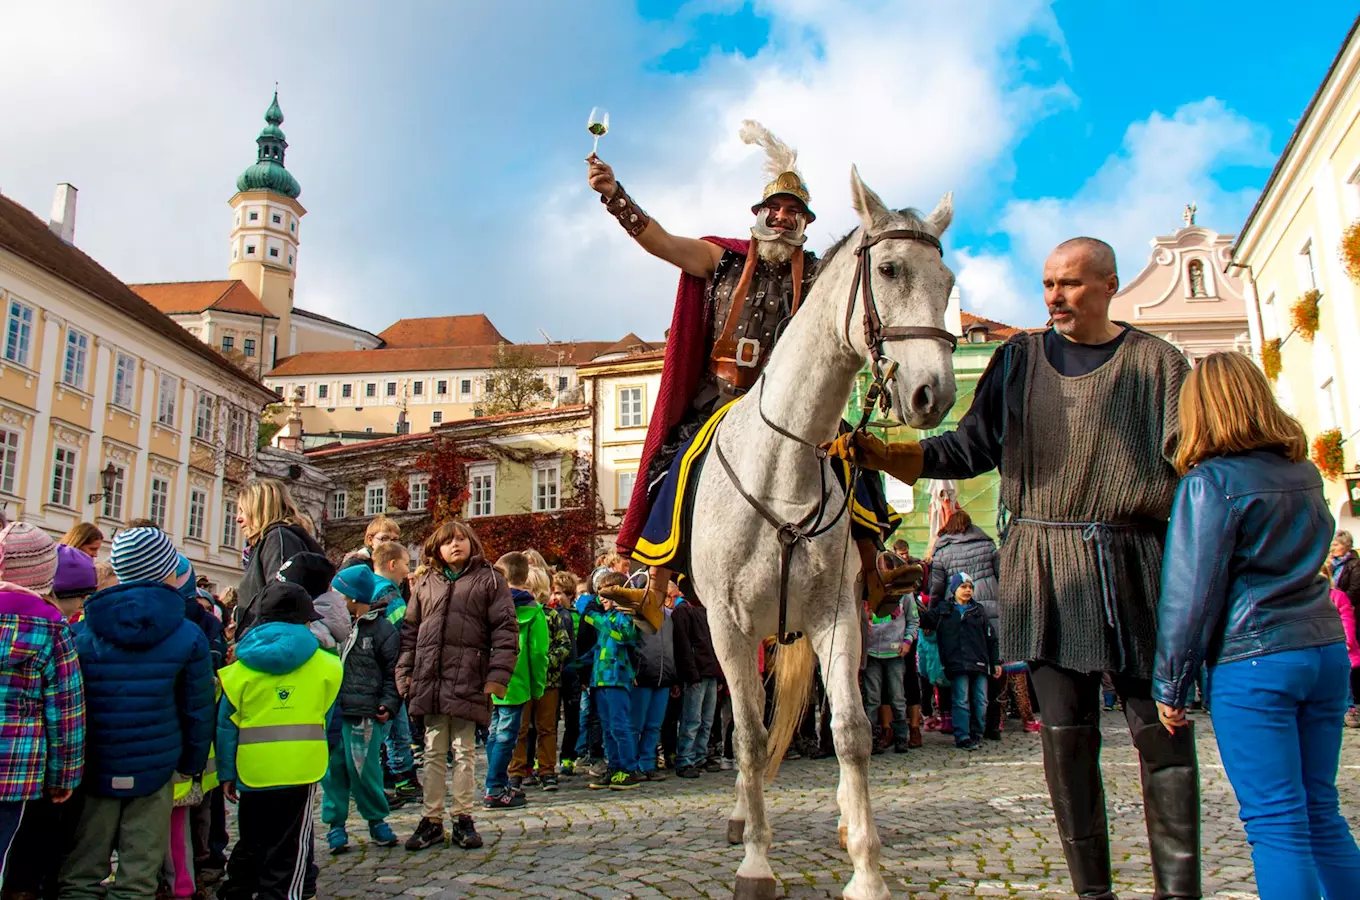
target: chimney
63 221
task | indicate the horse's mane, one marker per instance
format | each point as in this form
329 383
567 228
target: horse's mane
911 215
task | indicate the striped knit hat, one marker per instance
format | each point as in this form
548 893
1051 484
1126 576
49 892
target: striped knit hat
28 557
143 554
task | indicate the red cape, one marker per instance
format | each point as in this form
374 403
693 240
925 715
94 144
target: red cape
680 373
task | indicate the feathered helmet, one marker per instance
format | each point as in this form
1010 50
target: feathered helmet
781 164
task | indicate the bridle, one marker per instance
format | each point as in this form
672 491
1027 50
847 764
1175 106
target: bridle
882 367
790 534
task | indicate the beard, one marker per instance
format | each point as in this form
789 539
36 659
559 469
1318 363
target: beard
778 252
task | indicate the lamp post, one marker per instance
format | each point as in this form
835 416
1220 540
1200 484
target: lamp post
107 478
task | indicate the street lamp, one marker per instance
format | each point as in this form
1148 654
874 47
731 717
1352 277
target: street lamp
107 477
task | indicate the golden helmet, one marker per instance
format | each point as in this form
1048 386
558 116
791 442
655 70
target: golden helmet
791 184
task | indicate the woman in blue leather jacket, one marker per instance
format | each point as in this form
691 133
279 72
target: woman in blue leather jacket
1241 593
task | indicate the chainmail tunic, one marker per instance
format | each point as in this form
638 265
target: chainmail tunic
1086 480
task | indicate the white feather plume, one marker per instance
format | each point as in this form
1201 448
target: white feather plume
779 157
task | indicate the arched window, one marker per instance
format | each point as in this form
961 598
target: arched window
1195 272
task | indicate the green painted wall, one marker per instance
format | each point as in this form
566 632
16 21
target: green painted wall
976 495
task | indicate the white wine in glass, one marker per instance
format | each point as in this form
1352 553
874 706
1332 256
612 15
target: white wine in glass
598 125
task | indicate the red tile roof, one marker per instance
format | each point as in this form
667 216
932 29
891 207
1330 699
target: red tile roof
429 359
550 413
443 331
172 297
996 331
27 236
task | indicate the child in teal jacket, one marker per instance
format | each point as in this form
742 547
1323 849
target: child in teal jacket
612 683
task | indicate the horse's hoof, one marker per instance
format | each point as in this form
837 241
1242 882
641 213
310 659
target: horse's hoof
736 831
755 889
843 834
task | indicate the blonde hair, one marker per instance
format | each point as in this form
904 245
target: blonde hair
104 576
537 583
82 534
566 582
386 552
268 502
536 560
379 525
1226 407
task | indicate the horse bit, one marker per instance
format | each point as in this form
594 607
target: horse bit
883 369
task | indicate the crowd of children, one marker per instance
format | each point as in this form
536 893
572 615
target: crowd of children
137 706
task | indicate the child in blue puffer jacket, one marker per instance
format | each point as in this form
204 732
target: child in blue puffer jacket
149 713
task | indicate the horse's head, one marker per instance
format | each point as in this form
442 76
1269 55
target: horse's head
910 288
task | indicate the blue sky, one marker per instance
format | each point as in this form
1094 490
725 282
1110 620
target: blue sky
439 145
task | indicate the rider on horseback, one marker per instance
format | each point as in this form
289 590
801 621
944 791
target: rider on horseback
733 296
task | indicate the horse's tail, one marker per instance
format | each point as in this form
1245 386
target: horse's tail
792 689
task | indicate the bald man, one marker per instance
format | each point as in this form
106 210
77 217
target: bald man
1080 421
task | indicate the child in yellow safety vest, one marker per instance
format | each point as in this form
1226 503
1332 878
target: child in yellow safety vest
271 742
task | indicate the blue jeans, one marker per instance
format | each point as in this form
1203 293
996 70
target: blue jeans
647 711
1277 719
970 705
399 758
696 722
616 720
591 737
501 737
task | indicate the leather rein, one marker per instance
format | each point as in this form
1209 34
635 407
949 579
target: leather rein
790 534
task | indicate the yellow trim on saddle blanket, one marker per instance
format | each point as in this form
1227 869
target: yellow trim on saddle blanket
644 551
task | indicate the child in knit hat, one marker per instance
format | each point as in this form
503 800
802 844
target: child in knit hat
970 652
42 705
149 707
76 579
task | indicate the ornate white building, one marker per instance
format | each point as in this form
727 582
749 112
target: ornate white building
1184 294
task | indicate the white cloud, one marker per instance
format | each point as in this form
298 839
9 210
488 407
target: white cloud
990 286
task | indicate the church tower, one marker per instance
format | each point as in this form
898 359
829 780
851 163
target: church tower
266 218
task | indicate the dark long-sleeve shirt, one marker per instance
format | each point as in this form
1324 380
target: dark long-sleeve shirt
974 447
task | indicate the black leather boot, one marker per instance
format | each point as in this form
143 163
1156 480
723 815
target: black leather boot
1171 806
1072 768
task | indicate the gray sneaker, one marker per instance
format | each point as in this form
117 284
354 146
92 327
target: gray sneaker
597 768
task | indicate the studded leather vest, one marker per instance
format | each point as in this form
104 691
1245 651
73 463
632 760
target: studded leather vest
769 301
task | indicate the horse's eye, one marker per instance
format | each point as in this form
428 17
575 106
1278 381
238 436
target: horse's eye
887 270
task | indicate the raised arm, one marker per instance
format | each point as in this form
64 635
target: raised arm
694 257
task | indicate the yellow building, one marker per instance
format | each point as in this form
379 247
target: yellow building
1289 253
94 381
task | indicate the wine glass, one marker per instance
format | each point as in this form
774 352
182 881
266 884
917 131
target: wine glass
598 125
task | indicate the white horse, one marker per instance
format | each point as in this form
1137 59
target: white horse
734 550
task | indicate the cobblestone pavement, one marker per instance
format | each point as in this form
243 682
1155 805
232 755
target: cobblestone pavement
953 825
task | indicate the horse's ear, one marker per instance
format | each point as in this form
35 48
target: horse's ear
869 205
941 215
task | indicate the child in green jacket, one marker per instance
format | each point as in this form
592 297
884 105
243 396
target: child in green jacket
527 683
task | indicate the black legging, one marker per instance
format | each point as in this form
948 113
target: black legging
1074 698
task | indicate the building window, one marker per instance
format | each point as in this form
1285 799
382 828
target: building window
236 431
292 226
248 347
465 386
231 530
254 217
437 417
1308 268
562 382
547 480
198 507
165 406
160 501
228 343
250 249
346 391
626 480
276 219
368 429
481 492
391 389
63 476
9 459
274 252
203 417
125 381
442 388
290 259
631 410
323 391
417 389
371 389
420 493
113 500
375 499
1329 409
77 354
339 504
19 332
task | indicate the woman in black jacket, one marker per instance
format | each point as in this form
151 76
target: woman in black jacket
275 530
1241 593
